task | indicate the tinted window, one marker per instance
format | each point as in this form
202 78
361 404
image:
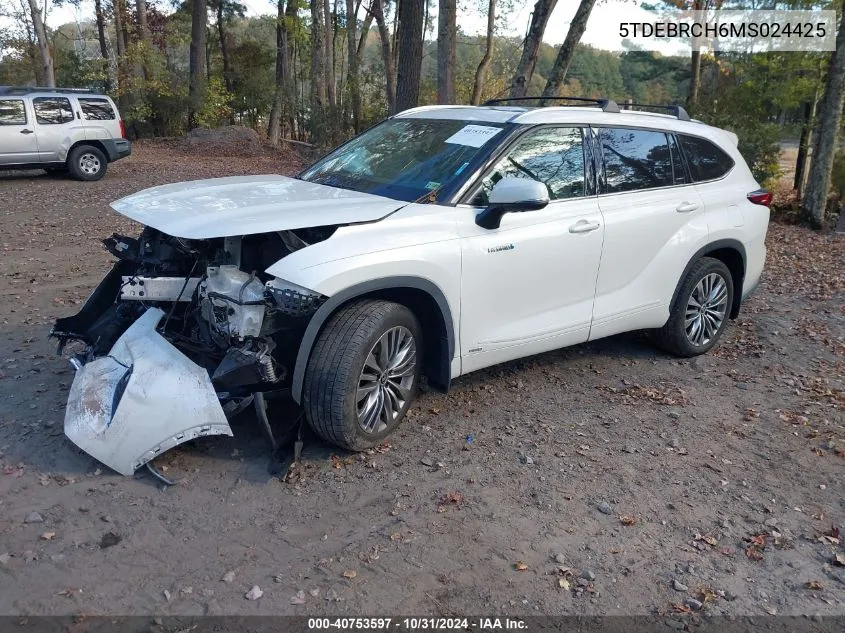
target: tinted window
553 156
635 159
679 174
96 109
706 161
52 110
12 112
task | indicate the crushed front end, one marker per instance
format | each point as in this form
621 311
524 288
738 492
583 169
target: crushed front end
180 336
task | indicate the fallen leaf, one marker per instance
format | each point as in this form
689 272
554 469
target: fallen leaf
563 583
833 532
839 559
520 566
753 554
350 573
48 536
628 520
815 585
298 598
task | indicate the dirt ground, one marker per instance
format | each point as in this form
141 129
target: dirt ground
607 478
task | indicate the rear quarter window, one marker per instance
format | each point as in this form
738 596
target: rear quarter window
96 109
706 160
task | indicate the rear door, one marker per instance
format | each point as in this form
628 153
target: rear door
654 223
18 142
56 126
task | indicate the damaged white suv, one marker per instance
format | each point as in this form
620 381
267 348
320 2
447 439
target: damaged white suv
443 240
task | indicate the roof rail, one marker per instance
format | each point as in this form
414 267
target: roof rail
23 90
678 111
607 105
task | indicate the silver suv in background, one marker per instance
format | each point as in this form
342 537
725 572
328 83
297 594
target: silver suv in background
60 129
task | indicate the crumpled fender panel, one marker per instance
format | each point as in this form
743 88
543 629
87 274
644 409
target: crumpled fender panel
142 399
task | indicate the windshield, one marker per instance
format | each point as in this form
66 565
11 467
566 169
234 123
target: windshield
404 159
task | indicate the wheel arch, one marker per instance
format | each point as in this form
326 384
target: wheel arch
424 298
93 143
732 254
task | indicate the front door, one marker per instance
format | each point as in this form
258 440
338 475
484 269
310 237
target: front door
528 286
17 134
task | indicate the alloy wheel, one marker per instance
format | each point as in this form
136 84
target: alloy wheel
384 386
706 309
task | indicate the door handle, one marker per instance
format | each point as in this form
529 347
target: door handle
27 132
584 226
686 207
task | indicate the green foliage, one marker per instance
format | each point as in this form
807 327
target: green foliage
217 109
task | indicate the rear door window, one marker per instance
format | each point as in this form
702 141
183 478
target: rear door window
96 109
52 110
705 159
12 112
635 159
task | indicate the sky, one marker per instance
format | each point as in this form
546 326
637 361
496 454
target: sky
602 27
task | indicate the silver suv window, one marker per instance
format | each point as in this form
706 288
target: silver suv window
52 110
12 112
96 109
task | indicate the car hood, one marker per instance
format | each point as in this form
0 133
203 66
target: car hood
244 205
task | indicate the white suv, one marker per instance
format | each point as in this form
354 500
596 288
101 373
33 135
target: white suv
60 129
441 241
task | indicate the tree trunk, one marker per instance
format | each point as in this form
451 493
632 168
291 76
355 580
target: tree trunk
198 79
328 43
120 31
447 36
318 57
274 128
224 44
101 36
43 44
824 151
525 70
386 55
410 44
484 65
809 116
353 76
567 49
143 28
362 37
695 65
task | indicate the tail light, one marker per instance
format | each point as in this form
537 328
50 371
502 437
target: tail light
122 129
761 197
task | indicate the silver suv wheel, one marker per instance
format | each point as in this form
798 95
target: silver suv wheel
706 309
89 164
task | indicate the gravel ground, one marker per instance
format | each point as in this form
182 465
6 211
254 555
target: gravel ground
607 478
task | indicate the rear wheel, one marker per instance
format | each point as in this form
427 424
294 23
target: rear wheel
87 162
363 373
700 311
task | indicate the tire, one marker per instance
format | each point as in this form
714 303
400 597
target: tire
87 162
336 374
708 278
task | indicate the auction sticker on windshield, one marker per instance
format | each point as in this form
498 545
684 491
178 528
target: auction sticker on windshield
473 135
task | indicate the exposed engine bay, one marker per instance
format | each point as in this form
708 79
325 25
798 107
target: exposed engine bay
208 301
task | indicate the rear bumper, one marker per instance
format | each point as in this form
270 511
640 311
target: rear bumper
117 148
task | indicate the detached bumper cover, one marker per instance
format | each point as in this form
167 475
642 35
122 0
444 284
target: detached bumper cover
141 400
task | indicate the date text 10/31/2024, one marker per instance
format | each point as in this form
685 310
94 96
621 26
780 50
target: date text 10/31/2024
417 624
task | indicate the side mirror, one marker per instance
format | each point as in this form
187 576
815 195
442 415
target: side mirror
511 195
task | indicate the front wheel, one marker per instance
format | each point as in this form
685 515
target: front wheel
363 373
700 311
87 163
